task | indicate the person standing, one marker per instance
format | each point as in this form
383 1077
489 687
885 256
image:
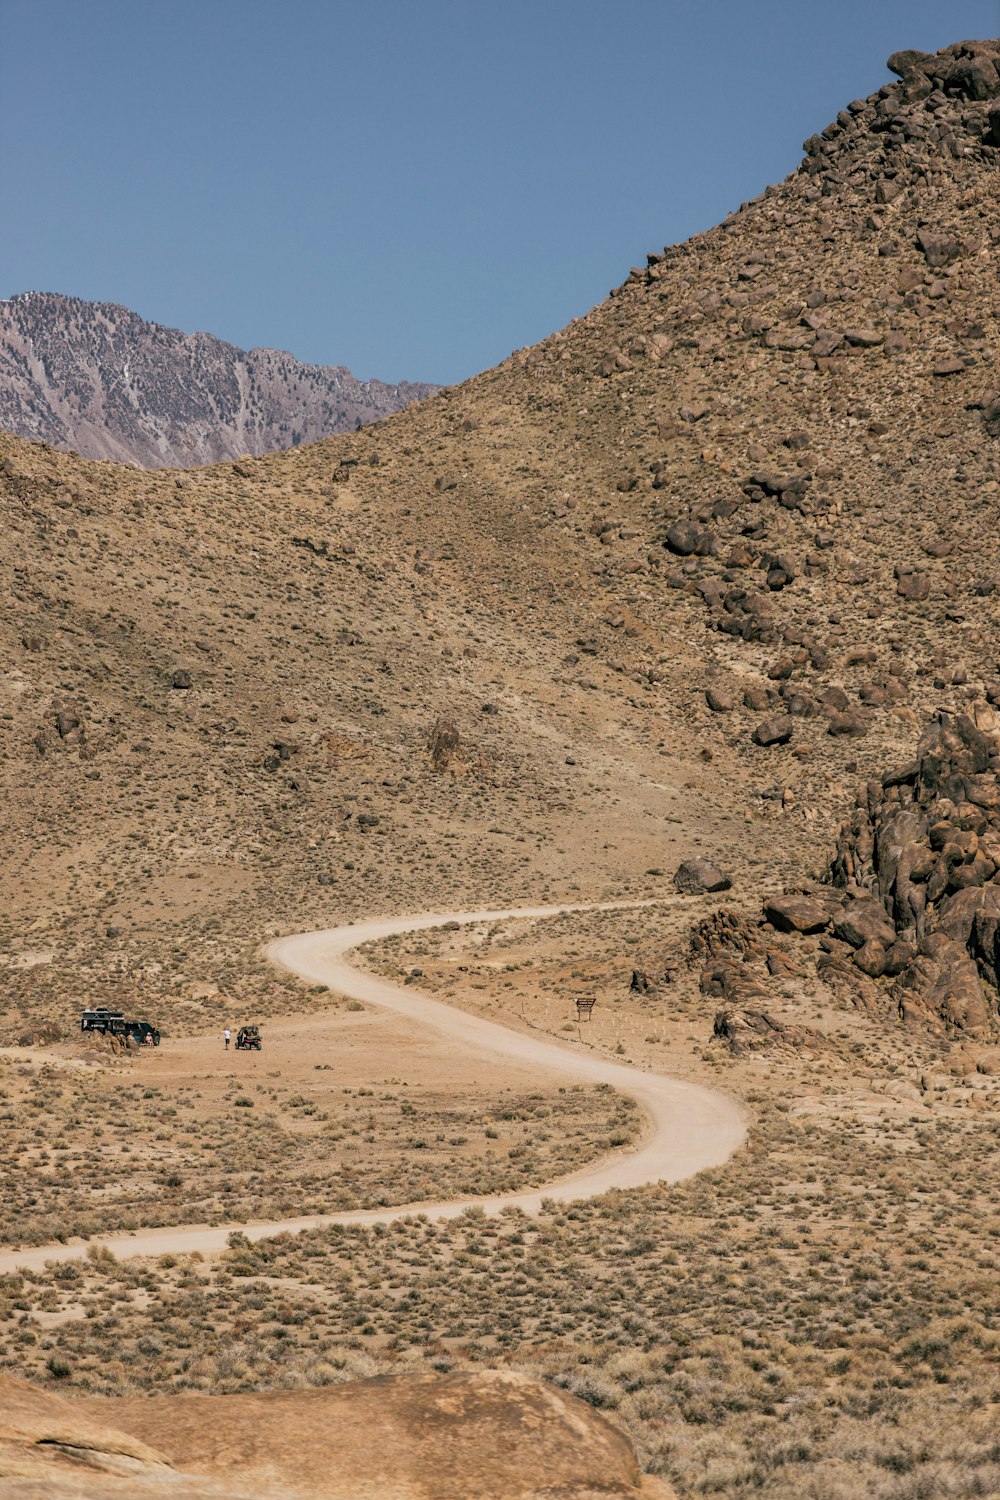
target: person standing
227 1034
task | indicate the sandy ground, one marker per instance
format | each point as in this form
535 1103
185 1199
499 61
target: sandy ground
690 1128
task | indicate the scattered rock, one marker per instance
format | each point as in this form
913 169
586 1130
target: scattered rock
444 743
849 722
774 731
913 585
696 876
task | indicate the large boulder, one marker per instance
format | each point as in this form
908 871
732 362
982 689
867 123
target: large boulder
974 75
918 862
850 722
863 921
494 1434
913 585
696 876
774 731
686 537
905 62
870 958
942 985
938 249
972 917
757 1031
794 913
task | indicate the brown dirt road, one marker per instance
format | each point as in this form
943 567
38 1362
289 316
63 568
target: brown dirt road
690 1128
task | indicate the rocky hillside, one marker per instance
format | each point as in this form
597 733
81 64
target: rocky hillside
694 566
96 378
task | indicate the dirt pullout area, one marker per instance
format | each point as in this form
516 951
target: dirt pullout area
690 1128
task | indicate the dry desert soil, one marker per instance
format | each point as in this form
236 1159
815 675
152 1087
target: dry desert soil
683 621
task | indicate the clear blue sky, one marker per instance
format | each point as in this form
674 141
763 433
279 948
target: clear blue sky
410 187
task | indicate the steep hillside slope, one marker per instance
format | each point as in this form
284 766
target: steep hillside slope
768 465
96 378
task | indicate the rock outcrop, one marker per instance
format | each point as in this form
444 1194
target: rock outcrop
497 1435
52 1450
912 894
752 1030
919 865
911 897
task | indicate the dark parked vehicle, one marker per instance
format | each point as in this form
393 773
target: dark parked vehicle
248 1039
113 1023
143 1032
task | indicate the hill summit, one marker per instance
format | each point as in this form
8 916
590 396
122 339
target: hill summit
97 378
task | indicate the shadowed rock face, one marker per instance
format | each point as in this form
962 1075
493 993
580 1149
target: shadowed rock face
494 1434
98 379
912 894
911 897
924 844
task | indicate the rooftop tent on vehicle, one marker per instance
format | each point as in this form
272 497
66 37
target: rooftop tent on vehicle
101 1018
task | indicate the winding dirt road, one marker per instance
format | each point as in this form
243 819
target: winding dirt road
689 1128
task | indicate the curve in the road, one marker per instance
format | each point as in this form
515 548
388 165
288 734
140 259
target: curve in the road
690 1127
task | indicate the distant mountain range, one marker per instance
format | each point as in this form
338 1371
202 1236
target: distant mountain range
96 378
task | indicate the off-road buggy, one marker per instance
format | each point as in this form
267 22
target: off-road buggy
248 1039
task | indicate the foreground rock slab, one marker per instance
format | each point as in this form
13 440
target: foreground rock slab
496 1435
